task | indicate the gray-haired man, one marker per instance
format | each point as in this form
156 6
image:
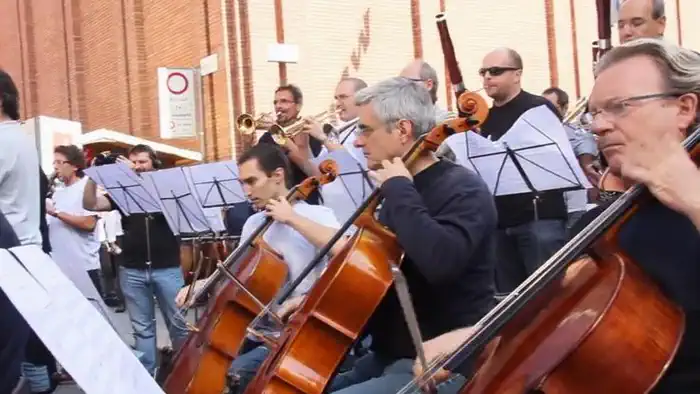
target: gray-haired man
444 218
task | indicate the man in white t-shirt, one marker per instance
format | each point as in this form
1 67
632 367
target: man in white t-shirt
298 231
75 247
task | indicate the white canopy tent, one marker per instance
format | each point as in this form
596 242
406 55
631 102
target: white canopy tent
102 139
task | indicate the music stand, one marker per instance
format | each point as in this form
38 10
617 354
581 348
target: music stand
180 207
130 193
216 184
125 187
533 156
351 187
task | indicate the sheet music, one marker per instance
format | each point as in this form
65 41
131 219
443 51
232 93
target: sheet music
216 184
73 330
126 188
180 207
350 189
541 146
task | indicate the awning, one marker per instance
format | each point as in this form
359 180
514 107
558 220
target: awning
103 139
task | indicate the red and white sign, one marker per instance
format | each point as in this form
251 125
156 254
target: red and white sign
178 102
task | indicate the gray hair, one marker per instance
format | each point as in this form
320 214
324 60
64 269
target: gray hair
658 8
400 98
357 82
428 72
680 66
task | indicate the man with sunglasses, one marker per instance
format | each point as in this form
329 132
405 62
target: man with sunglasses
526 237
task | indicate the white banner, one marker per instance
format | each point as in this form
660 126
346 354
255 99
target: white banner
178 104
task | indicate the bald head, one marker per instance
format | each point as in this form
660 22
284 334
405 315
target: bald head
641 18
419 70
501 70
507 56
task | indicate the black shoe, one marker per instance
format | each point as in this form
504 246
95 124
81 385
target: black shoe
112 301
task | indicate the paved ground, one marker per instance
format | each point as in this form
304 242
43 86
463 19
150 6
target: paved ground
121 321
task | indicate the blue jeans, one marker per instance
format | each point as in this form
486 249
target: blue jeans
371 374
139 286
522 249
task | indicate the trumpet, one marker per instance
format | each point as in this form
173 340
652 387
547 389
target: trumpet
282 134
247 124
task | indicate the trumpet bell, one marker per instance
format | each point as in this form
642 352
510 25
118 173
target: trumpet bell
246 124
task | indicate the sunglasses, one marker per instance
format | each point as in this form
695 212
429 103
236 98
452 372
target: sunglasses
496 71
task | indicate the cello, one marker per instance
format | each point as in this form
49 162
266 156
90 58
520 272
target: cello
200 365
580 323
325 327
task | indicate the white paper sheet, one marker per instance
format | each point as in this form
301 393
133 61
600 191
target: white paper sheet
126 188
216 184
73 330
180 206
345 194
541 147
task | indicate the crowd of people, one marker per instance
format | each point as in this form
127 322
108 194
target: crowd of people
463 246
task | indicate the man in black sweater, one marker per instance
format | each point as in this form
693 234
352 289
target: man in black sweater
444 218
526 237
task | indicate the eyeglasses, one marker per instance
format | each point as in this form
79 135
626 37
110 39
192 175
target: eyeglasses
617 108
496 71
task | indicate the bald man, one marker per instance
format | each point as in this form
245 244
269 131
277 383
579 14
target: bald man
526 236
420 71
641 18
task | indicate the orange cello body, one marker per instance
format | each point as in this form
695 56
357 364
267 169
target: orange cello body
604 316
316 340
324 329
201 364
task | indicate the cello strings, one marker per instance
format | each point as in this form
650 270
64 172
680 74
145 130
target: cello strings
580 241
533 283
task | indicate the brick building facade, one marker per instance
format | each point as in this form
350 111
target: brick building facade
95 61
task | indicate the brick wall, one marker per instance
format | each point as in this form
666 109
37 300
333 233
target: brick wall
95 60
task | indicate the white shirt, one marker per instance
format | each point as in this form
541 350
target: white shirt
296 250
340 195
71 246
19 182
109 226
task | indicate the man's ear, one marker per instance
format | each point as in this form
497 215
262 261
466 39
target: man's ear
405 128
278 176
688 110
